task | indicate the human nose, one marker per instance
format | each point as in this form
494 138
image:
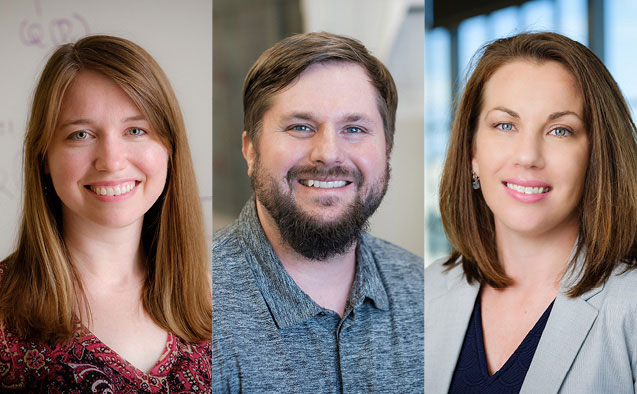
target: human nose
529 151
111 154
326 146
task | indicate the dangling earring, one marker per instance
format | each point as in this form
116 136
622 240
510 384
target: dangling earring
475 181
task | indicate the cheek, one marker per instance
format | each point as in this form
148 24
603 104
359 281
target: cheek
571 171
489 156
152 160
67 167
280 157
370 158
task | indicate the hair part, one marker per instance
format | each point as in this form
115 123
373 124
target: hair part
282 64
40 287
608 225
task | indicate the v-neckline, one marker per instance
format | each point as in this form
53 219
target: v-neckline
482 353
106 354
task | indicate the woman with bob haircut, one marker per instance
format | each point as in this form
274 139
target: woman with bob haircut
109 288
539 201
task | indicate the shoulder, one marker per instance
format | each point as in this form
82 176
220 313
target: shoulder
400 269
4 265
620 290
395 256
226 247
439 277
225 237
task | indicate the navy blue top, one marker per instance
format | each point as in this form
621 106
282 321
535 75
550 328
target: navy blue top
472 374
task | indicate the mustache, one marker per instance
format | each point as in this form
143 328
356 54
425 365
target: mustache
310 172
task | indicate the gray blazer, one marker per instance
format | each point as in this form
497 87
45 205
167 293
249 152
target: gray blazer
589 344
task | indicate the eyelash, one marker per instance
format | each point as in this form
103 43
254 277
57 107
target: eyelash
567 130
498 126
360 130
144 132
74 135
297 126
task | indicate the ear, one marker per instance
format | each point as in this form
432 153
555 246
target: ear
47 171
248 150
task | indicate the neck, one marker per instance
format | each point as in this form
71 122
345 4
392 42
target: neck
536 260
327 282
104 257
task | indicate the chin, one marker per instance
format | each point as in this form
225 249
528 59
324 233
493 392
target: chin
114 221
526 227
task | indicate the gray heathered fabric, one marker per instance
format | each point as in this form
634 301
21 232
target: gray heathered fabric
270 337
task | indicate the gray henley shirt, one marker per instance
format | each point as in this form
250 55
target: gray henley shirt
271 337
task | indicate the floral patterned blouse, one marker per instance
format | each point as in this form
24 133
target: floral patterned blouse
86 365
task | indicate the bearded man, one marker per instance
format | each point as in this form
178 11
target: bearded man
304 300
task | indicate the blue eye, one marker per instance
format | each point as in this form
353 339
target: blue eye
300 127
79 135
504 126
353 130
136 131
560 132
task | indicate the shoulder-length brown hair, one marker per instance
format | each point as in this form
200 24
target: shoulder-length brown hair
40 288
608 209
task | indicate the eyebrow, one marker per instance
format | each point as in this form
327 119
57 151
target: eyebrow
553 116
82 121
352 117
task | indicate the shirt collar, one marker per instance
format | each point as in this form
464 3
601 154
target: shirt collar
288 304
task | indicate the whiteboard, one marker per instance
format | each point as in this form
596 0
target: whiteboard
178 34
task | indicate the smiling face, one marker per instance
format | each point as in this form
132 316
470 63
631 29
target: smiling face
531 147
106 162
321 150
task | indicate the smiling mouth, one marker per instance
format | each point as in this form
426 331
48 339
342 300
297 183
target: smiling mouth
527 189
112 190
323 184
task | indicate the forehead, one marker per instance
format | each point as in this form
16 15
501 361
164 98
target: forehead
93 92
329 89
533 86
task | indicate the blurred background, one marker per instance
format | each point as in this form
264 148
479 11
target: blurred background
393 30
456 30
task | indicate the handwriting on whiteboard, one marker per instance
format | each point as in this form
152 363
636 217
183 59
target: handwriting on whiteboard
44 33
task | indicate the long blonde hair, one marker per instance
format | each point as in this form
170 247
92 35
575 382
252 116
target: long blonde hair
41 288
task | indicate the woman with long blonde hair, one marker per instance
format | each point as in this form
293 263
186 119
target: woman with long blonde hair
109 287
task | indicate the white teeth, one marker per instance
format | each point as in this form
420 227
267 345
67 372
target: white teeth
324 185
113 190
528 189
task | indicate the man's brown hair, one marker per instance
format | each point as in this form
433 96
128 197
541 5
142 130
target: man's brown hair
282 64
608 209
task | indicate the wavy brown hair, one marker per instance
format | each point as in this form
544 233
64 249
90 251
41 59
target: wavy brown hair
40 287
608 209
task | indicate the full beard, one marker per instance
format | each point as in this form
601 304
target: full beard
307 236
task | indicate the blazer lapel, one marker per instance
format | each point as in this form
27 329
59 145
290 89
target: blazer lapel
446 320
568 325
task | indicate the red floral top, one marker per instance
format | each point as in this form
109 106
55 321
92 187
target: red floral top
86 365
